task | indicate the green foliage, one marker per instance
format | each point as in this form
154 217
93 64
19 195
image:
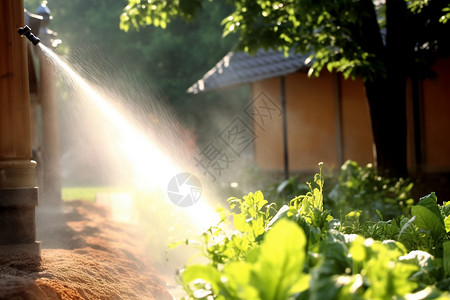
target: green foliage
356 188
387 274
446 16
282 192
417 6
340 35
157 12
362 188
251 220
426 230
282 252
428 216
304 253
378 230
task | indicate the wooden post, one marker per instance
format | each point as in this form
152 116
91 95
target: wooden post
285 133
18 191
51 194
51 171
338 119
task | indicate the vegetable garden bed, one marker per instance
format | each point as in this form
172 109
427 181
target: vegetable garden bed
301 251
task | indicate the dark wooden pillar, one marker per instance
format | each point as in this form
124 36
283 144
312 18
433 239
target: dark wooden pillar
285 133
18 191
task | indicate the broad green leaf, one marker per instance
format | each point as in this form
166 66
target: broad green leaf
446 257
240 222
407 230
236 282
279 268
253 255
387 276
258 226
203 272
430 201
240 243
358 250
395 245
428 220
259 199
301 285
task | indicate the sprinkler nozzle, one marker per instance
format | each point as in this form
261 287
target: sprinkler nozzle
26 31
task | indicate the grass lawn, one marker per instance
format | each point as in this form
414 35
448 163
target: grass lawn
87 193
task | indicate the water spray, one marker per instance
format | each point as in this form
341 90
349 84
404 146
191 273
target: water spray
26 31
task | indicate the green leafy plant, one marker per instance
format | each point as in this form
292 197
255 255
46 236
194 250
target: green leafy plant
282 252
302 252
362 188
281 192
428 229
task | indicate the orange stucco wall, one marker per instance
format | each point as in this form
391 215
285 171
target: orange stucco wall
268 144
436 118
311 126
356 127
311 123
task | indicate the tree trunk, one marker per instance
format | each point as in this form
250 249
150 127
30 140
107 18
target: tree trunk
387 105
386 91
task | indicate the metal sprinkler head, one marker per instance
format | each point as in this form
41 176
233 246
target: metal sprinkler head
26 31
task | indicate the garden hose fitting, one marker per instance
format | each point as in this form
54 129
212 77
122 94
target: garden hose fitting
26 31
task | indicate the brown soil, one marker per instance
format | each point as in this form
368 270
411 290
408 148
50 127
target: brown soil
84 256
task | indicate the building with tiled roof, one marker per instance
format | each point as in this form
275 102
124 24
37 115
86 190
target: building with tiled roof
299 121
238 68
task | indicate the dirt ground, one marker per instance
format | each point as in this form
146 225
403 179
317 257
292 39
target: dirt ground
84 256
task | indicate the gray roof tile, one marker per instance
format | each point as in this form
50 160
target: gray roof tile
238 68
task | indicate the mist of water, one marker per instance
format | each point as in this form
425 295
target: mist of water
144 156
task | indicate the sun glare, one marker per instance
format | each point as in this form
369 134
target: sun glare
151 167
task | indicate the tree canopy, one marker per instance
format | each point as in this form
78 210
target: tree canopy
340 35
